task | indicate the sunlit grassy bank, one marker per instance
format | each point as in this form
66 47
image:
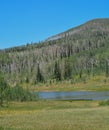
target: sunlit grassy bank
96 83
55 115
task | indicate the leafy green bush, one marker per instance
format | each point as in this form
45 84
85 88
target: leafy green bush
4 90
18 93
104 103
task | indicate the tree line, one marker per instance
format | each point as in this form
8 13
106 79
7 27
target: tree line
81 52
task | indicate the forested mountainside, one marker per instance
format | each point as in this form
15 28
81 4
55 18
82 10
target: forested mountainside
77 54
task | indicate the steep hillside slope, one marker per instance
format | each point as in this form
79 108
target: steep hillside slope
91 26
76 54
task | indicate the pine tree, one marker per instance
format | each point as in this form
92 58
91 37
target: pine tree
107 69
39 75
4 90
57 71
67 69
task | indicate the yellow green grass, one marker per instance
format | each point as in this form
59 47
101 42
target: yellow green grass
59 115
55 115
97 83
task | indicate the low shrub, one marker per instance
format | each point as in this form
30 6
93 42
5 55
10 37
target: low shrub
104 103
18 93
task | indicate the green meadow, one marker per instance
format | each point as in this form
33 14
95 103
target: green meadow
96 83
55 115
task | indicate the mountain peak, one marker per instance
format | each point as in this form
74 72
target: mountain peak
96 24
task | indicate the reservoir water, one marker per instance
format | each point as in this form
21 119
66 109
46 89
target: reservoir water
75 95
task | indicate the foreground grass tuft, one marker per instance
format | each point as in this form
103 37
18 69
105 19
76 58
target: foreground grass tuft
104 103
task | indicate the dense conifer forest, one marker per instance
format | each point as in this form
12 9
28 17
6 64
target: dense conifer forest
76 55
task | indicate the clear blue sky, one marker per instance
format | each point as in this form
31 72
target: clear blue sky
26 21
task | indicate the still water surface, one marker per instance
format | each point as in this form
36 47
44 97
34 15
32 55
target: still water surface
76 95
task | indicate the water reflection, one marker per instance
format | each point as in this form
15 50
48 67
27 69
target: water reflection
78 95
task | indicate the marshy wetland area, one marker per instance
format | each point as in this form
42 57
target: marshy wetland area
46 114
55 115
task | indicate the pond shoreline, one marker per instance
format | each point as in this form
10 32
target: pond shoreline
73 95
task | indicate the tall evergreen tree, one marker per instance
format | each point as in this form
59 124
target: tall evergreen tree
39 75
57 71
4 90
67 69
107 69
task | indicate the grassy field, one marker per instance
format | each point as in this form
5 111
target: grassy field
59 115
97 83
55 115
